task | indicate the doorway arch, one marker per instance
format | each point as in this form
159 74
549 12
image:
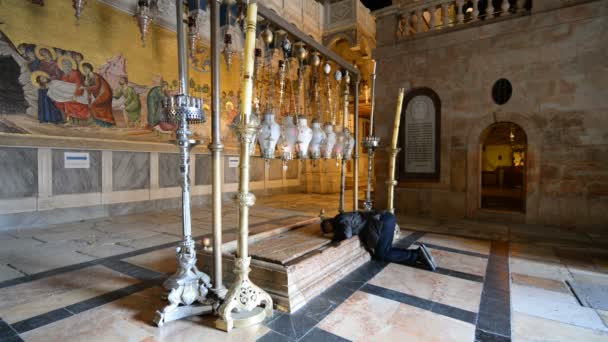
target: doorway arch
476 136
503 172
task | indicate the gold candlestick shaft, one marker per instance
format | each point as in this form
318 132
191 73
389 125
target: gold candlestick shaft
243 305
393 153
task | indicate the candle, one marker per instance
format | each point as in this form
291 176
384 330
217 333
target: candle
373 106
397 118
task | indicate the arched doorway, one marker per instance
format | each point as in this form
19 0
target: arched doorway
504 148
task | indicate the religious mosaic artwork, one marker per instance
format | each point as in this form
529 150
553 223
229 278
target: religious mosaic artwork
71 96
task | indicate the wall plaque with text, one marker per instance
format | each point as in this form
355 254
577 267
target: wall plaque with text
420 135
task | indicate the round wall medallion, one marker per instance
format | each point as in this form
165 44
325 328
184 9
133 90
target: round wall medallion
502 91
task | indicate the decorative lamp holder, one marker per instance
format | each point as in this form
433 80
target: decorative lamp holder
78 6
144 19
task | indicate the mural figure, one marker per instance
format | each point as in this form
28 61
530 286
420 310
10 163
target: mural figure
131 104
114 70
73 110
30 56
100 96
155 103
47 111
48 62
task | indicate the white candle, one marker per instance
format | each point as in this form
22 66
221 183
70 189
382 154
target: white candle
397 118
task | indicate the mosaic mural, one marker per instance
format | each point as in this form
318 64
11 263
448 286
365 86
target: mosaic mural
75 97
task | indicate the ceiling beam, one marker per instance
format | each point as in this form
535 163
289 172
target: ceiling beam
273 17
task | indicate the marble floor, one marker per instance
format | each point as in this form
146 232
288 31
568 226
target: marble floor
100 280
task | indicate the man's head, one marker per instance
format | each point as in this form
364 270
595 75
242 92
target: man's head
87 68
327 226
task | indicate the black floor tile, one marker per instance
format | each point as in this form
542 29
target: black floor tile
337 293
398 296
6 331
317 309
41 320
453 312
453 250
292 327
494 316
318 335
483 336
273 336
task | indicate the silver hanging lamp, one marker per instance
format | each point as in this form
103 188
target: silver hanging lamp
78 6
144 18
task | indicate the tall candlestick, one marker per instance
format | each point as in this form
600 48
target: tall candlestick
240 309
397 118
393 153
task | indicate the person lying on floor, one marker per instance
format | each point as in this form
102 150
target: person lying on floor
376 232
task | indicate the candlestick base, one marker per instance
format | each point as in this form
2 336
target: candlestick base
187 286
244 300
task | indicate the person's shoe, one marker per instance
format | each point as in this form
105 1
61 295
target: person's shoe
427 258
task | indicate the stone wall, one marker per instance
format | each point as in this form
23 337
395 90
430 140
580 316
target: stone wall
557 62
37 189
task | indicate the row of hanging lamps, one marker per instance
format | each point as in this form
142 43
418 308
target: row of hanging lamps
270 130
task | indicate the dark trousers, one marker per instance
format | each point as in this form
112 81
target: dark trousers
385 251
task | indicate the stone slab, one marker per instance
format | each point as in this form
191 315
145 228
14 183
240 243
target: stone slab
19 176
290 245
76 181
130 170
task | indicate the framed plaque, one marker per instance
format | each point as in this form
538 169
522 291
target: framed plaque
420 136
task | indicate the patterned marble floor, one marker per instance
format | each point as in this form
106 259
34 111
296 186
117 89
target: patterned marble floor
100 281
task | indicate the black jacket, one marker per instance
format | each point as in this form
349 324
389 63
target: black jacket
366 225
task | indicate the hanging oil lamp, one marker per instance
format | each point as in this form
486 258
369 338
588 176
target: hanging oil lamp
304 132
144 19
327 146
270 131
338 150
232 37
78 6
318 136
289 132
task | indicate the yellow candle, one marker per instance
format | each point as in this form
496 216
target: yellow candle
397 118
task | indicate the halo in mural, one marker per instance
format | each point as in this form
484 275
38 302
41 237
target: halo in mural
66 58
35 76
82 63
40 48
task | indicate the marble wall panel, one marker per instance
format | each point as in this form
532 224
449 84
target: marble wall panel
76 181
231 174
257 169
19 172
293 169
204 169
275 170
168 170
130 170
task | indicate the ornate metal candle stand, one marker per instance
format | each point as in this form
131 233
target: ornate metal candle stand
243 304
188 285
370 143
